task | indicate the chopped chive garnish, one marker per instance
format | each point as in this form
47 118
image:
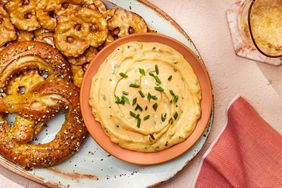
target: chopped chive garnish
157 69
125 93
146 117
163 117
151 74
134 101
132 114
155 77
128 46
138 122
171 92
175 97
134 85
117 100
141 94
152 136
170 121
169 78
160 89
142 71
155 106
153 48
117 126
149 97
175 115
138 107
123 75
146 108
125 100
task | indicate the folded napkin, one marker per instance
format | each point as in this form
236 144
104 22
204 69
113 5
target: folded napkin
247 154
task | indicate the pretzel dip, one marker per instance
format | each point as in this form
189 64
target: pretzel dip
146 97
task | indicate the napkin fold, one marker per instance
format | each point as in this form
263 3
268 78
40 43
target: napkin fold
248 153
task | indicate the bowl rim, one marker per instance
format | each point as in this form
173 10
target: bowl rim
135 157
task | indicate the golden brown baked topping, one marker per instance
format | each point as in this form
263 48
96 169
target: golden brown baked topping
122 22
78 73
86 57
22 14
25 36
44 35
44 101
7 30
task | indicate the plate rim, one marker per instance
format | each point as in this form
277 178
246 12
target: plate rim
21 172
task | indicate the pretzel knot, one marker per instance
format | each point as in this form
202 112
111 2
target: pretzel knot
41 103
28 71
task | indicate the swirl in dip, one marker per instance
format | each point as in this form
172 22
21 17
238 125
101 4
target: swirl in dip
146 97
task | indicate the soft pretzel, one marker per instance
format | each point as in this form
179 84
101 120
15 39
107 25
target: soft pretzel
122 22
23 56
7 30
42 102
22 14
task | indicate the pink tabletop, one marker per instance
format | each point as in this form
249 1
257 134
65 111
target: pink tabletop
260 84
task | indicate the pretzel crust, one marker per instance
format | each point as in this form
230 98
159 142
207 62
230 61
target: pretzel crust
62 96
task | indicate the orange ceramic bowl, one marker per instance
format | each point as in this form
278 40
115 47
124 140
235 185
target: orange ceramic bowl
140 158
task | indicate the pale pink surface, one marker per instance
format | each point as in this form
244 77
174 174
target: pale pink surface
261 84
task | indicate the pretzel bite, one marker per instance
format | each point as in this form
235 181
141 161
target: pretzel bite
78 73
22 14
25 36
44 35
86 57
76 32
122 22
44 101
46 13
7 30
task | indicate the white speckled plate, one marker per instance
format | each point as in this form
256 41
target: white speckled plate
92 166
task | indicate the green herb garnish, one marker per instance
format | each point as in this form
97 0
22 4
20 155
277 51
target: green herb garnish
142 71
170 121
157 79
169 78
132 114
125 93
163 117
146 117
134 101
157 69
149 97
134 85
160 89
138 122
123 75
152 136
175 115
141 94
138 107
175 97
155 106
125 100
117 126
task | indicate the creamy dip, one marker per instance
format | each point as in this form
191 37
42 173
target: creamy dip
146 97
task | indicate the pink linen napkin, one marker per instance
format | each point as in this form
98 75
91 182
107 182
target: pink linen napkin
247 154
